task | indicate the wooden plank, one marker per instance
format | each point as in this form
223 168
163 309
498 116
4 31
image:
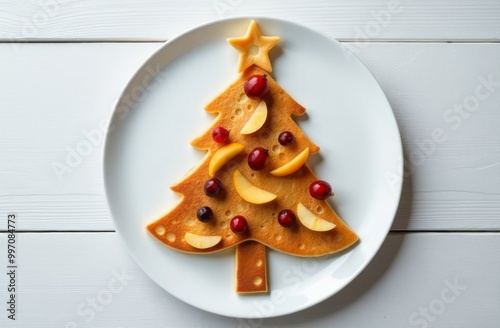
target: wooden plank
451 181
160 20
55 95
71 280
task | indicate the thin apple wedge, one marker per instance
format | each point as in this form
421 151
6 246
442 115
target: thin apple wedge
201 242
224 155
257 120
293 165
311 221
249 192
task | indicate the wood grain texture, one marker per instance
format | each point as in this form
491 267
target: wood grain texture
54 95
411 271
452 182
159 20
53 99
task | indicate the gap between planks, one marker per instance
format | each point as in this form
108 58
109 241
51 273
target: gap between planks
344 40
395 231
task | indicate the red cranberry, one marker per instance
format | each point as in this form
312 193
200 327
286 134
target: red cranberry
213 187
285 138
238 224
257 158
256 86
286 218
320 189
220 135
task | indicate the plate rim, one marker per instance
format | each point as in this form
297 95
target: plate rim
397 188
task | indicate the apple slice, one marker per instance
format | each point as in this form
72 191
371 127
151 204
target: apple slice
293 165
201 242
222 156
311 221
249 192
257 120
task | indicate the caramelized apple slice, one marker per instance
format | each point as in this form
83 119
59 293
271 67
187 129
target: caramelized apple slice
311 221
224 155
201 242
249 192
257 120
292 166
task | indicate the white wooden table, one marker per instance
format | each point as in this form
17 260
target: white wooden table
64 63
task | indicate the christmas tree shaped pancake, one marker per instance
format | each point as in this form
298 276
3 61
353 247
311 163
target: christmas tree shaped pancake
253 189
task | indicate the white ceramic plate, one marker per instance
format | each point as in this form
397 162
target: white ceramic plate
162 109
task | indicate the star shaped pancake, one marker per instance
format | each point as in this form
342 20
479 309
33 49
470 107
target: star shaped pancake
254 48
